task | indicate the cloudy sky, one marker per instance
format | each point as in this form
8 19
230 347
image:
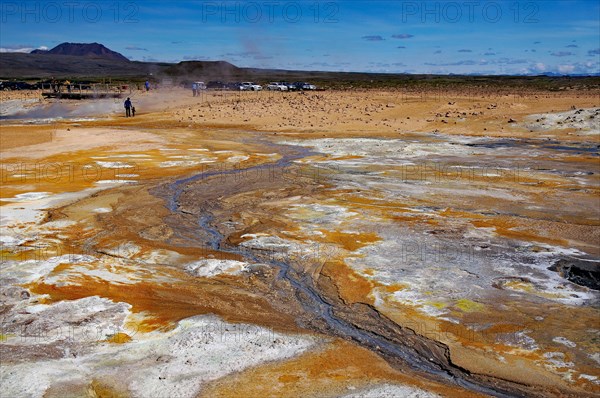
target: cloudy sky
466 36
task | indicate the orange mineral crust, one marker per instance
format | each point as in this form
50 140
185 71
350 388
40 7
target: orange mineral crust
324 244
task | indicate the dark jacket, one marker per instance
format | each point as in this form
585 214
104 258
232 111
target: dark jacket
127 104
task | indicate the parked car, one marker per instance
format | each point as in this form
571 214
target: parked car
250 86
216 85
304 86
290 86
13 85
200 85
234 86
277 86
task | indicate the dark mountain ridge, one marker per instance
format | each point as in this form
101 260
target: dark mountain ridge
95 61
95 50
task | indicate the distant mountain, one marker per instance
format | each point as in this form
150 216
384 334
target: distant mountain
46 65
49 64
92 50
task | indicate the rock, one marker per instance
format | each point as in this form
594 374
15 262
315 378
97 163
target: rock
580 272
15 293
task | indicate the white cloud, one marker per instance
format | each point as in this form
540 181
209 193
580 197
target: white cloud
566 68
21 49
16 50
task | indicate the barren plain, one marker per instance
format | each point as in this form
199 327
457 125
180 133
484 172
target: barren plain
358 243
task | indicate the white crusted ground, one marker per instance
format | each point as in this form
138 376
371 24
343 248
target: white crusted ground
172 364
391 391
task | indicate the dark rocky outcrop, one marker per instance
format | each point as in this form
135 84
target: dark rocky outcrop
95 50
580 272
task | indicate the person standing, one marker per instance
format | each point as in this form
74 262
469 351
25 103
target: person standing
128 107
147 85
194 89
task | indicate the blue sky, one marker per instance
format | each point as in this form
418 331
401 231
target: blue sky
466 36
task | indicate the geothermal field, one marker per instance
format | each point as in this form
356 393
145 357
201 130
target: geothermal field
338 243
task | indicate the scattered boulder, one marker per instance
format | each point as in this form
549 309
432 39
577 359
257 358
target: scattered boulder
580 272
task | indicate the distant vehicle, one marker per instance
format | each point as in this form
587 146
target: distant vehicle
234 86
290 86
277 86
250 86
304 86
200 85
216 85
12 85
